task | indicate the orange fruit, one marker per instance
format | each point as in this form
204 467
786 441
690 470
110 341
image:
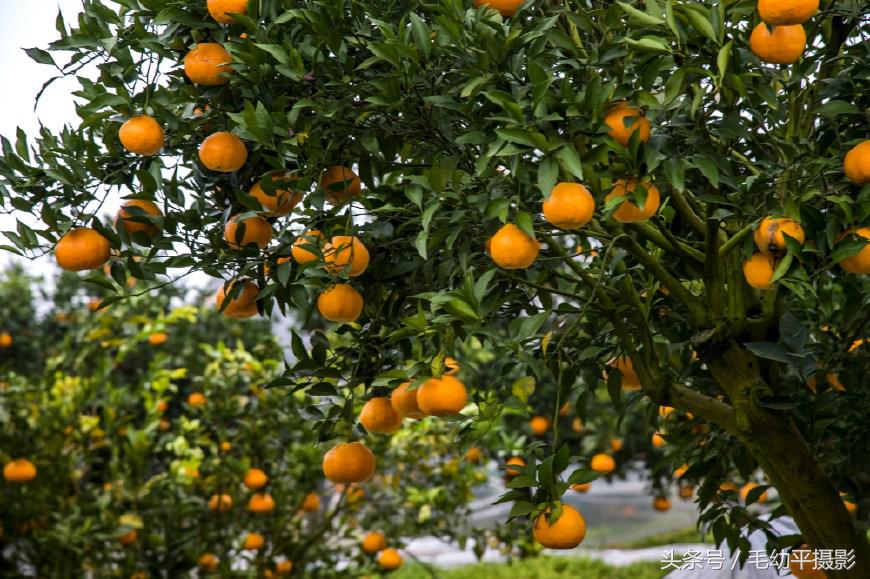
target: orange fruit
299 253
832 379
581 488
164 425
515 461
129 537
389 559
5 340
220 503
254 542
781 45
658 440
569 206
577 425
340 184
349 463
208 561
728 486
565 410
780 12
19 470
161 406
856 164
134 221
141 135
219 9
378 415
274 193
616 444
627 211
311 504
616 118
758 270
603 463
81 249
267 267
226 446
511 248
261 503
539 425
770 234
565 533
630 380
346 253
404 401
223 152
283 567
744 492
661 504
802 564
374 541
473 454
208 64
255 479
850 506
507 8
256 230
340 303
860 262
665 411
445 396
196 399
242 305
157 338
686 491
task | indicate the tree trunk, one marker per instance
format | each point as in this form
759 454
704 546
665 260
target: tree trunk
777 445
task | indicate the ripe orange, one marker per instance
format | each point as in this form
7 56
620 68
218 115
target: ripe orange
728 486
803 564
311 504
340 303
771 232
267 267
511 248
226 446
141 135
616 444
686 491
404 401
507 8
346 253
780 12
603 463
134 221
569 206
832 379
219 9
389 559
5 340
565 533
161 406
208 561
758 270
223 152
283 567
510 469
128 538
256 230
274 193
302 255
665 411
19 470
661 504
577 425
243 305
627 211
373 542
349 463
616 119
850 506
378 415
157 338
451 366
856 164
581 488
539 425
208 64
196 399
744 492
630 380
255 479
445 396
261 503
473 454
81 249
220 503
781 45
254 542
658 440
860 262
340 184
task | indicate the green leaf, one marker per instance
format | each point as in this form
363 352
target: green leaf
524 222
836 108
648 44
523 388
700 19
569 159
769 351
640 16
792 332
548 174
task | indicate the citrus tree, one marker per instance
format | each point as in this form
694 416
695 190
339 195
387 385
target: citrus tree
674 192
